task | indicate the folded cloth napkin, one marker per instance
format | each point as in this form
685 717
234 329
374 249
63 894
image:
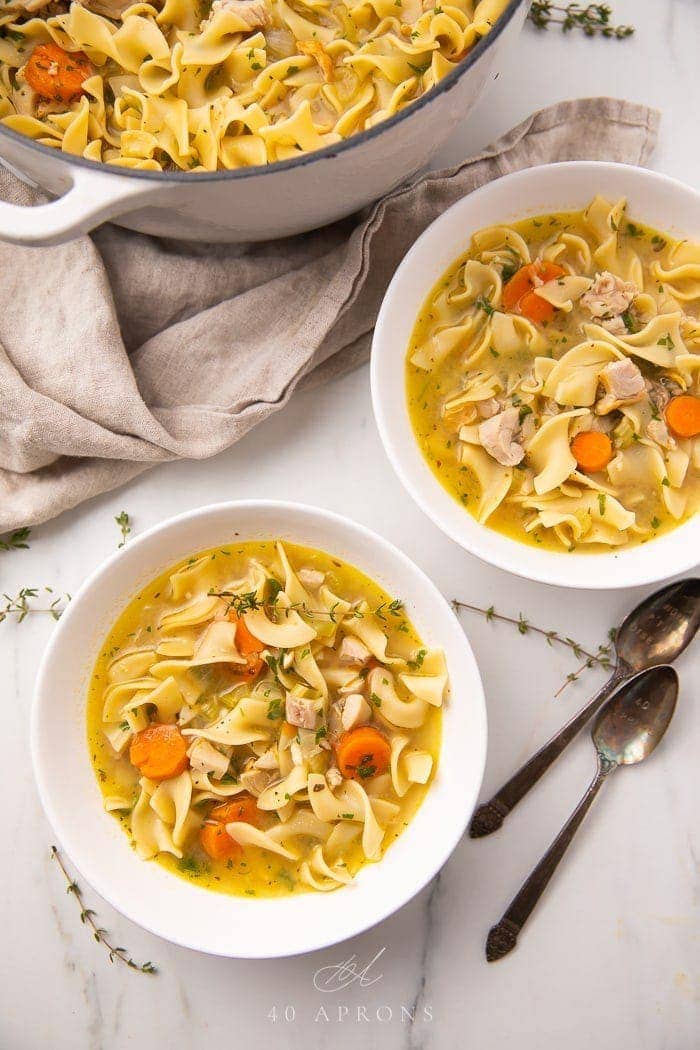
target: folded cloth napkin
120 351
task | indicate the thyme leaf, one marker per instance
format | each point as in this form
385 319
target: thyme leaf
16 540
603 657
19 605
591 19
124 522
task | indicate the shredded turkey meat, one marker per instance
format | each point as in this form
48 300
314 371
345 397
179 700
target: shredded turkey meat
498 436
623 384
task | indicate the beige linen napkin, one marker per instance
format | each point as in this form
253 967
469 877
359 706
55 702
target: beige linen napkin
120 351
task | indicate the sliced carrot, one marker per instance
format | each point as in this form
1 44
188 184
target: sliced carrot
242 807
535 308
214 838
592 451
683 415
159 752
248 646
363 752
518 292
217 843
56 74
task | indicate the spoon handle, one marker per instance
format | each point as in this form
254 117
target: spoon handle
503 936
490 815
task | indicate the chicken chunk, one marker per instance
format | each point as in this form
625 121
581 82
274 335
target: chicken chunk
353 651
311 578
300 711
488 407
207 759
658 432
268 760
334 777
356 711
614 325
253 12
255 780
623 384
609 296
498 436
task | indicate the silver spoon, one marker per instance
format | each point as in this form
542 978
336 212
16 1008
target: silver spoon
655 632
626 731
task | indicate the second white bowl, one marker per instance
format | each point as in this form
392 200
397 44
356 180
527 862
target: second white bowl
654 199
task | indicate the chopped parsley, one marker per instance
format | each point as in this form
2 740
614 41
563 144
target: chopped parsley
274 709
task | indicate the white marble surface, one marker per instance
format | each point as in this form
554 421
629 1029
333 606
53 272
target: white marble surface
612 956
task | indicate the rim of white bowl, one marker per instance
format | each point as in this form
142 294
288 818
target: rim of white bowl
671 553
322 934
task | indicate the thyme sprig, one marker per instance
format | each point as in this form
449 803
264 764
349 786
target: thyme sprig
16 540
19 605
249 601
592 19
87 917
124 522
603 657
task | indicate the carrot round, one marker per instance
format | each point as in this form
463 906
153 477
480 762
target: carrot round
159 752
215 840
56 74
592 451
363 752
248 646
242 807
519 295
217 843
683 415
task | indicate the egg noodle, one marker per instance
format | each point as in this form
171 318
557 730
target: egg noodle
554 379
198 86
263 718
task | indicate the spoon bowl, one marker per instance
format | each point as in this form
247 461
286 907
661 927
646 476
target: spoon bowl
658 629
633 722
626 731
655 632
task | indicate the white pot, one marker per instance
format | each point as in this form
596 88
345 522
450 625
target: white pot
250 204
179 910
654 199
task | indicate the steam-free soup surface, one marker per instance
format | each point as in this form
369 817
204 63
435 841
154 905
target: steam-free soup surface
553 379
263 719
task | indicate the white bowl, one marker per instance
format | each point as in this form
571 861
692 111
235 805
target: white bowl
654 199
181 911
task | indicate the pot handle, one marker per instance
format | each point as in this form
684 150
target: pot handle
91 200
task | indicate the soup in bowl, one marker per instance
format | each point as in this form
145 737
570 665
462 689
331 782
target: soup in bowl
252 698
552 379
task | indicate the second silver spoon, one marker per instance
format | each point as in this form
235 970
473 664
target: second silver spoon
655 632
